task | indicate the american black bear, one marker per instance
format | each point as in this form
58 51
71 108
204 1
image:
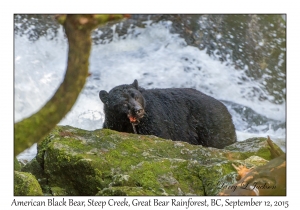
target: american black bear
180 114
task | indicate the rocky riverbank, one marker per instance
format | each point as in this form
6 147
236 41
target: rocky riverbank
72 161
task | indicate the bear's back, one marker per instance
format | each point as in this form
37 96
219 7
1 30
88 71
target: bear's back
185 114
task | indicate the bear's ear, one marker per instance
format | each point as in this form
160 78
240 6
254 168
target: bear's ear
135 84
103 95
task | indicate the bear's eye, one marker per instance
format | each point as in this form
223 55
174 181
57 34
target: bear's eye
133 95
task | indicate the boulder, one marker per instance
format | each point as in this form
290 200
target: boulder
105 162
26 184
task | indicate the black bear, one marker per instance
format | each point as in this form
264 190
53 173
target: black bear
180 114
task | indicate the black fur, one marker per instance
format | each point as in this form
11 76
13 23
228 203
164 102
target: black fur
180 114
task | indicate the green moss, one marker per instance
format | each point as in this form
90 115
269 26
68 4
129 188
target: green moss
125 191
215 177
257 146
106 132
26 184
255 161
186 173
35 169
57 191
145 177
64 163
42 146
17 165
264 153
106 162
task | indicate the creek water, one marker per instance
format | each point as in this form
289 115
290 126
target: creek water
157 57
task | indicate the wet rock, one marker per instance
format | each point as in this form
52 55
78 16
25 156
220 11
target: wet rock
106 162
17 165
26 184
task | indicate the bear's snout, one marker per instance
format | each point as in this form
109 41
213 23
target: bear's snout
135 114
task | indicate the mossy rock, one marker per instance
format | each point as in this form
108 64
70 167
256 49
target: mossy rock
26 184
17 165
253 146
36 169
125 191
106 162
57 191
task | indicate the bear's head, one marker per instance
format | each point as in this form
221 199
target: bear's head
124 101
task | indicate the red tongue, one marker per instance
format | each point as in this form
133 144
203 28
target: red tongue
132 119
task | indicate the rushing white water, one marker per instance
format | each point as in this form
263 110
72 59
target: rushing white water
153 56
